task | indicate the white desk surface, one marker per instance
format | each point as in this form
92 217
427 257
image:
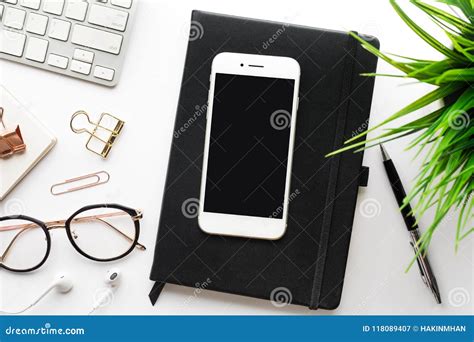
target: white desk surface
146 98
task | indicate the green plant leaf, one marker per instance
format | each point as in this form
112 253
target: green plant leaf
425 35
461 25
454 75
423 101
466 6
446 135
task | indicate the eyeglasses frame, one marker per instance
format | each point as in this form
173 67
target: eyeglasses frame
135 214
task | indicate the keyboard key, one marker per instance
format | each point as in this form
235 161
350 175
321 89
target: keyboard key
58 61
76 9
12 43
33 4
108 17
59 29
14 18
53 6
122 3
97 39
37 23
36 49
83 55
104 73
81 67
13 2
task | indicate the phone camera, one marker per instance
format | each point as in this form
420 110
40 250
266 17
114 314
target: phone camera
241 64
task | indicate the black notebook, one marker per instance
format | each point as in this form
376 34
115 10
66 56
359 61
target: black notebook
308 263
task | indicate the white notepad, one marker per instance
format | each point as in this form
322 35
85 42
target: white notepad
37 138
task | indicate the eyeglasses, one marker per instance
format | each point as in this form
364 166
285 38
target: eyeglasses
101 232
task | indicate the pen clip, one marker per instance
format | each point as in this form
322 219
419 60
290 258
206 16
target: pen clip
420 267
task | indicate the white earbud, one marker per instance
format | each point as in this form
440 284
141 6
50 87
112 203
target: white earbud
113 277
62 283
105 295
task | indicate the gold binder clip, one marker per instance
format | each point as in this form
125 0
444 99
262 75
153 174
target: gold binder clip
11 141
103 133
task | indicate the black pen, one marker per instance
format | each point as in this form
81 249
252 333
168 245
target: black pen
422 260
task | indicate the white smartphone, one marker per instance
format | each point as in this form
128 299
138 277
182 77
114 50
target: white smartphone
248 152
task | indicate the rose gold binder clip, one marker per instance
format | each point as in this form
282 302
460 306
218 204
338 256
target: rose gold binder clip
11 141
83 182
102 134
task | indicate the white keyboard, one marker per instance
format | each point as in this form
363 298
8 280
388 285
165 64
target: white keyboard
85 39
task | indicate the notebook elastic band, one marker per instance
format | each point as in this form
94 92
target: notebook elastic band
333 176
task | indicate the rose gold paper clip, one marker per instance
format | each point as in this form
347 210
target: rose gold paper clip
96 178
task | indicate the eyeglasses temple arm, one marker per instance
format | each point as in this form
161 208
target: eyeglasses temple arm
5 254
99 218
139 245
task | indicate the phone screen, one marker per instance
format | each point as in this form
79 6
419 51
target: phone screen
248 149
